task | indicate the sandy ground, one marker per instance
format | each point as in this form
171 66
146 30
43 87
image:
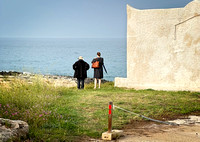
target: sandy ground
151 132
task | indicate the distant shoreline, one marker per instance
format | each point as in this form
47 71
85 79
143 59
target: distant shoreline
28 75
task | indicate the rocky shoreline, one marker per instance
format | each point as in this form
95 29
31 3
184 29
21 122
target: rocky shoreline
56 80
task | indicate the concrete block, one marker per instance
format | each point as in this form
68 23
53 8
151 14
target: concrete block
113 135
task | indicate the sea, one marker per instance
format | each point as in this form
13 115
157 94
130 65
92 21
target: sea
55 56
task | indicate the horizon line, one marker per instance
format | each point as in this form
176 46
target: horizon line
54 37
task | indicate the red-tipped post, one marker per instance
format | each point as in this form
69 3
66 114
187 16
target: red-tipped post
110 117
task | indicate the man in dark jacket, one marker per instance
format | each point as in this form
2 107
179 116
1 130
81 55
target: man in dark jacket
80 73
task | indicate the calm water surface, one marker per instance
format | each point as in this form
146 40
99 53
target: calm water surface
56 56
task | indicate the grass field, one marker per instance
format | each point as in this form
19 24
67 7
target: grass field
68 114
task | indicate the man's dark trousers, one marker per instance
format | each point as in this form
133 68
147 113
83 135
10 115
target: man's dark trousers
80 83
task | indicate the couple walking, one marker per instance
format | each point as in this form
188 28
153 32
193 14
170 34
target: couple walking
81 68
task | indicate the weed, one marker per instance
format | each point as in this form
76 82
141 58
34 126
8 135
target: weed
60 114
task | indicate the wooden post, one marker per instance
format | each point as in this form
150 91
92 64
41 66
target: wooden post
111 134
110 117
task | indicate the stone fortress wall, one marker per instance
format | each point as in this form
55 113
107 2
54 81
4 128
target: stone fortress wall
163 49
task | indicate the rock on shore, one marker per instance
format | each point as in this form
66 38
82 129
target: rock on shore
66 81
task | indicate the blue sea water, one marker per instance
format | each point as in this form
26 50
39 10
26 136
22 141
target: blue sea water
55 56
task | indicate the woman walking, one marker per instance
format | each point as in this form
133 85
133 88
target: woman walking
98 71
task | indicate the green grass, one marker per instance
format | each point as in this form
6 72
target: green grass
68 114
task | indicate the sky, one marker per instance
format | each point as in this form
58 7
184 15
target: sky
72 18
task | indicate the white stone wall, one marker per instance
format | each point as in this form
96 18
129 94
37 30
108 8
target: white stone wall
163 49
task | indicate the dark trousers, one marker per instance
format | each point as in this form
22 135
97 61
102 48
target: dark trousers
80 83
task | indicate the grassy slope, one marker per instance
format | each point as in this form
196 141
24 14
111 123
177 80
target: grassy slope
67 113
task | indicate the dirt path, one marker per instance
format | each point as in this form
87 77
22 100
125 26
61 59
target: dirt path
188 130
151 132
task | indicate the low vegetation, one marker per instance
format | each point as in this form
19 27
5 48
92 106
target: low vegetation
69 114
